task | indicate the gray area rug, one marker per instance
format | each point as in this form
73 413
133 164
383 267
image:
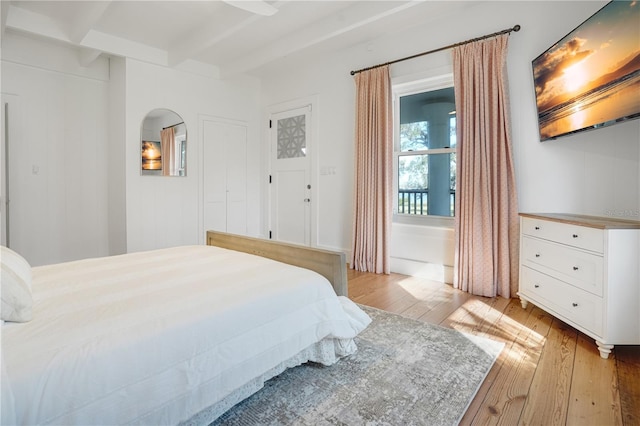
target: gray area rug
405 372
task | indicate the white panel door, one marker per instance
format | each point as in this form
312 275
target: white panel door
225 176
236 153
290 189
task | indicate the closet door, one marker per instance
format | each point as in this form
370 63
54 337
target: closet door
225 176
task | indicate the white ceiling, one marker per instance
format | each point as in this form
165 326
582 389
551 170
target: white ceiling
213 32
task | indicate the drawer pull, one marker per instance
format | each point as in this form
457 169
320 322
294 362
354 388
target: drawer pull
537 254
536 285
575 235
537 228
575 305
575 268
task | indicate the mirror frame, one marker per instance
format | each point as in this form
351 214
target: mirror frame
151 162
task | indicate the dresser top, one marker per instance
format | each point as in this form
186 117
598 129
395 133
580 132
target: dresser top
583 220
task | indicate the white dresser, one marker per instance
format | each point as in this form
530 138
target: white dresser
585 271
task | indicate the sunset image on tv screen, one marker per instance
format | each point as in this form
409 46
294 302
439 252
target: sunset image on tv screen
591 77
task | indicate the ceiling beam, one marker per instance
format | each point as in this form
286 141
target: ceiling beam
34 23
86 56
349 19
4 11
96 42
205 37
211 34
87 19
260 7
118 46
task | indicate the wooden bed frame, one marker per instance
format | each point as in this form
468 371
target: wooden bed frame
330 264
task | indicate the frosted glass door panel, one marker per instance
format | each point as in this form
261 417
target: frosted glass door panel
292 139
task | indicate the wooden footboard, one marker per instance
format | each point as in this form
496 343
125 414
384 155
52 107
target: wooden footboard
330 264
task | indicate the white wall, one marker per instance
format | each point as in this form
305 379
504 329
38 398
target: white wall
75 117
76 182
592 173
58 158
167 211
595 172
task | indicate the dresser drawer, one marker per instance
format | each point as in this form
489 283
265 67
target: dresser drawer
577 306
576 236
579 268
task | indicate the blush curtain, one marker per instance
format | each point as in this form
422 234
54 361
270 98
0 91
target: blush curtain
486 224
373 171
167 142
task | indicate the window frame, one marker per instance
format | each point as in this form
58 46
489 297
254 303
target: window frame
405 89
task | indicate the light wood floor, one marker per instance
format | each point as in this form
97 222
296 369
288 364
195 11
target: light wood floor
548 373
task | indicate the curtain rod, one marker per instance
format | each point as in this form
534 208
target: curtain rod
173 125
516 28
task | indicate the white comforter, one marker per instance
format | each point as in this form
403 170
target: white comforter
155 337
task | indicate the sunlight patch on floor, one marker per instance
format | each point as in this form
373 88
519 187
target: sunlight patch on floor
418 287
486 321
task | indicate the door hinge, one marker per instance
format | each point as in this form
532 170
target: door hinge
269 234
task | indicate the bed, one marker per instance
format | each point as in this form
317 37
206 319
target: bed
170 336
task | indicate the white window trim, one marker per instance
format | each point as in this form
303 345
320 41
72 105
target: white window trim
405 89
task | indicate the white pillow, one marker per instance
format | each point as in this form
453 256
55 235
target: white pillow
17 300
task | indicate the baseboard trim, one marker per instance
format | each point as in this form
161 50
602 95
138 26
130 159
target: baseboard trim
432 271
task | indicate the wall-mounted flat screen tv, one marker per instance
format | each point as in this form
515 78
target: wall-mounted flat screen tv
591 78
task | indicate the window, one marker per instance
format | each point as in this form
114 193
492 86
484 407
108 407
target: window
425 151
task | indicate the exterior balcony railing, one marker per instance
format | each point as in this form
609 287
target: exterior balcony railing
415 201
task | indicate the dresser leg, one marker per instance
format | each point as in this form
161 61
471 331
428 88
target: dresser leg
604 349
524 303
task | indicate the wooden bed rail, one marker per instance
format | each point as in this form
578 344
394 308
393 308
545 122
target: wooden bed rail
330 264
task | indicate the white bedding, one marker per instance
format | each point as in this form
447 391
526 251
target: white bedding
155 337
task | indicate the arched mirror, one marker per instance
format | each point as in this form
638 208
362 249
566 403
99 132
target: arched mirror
163 144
